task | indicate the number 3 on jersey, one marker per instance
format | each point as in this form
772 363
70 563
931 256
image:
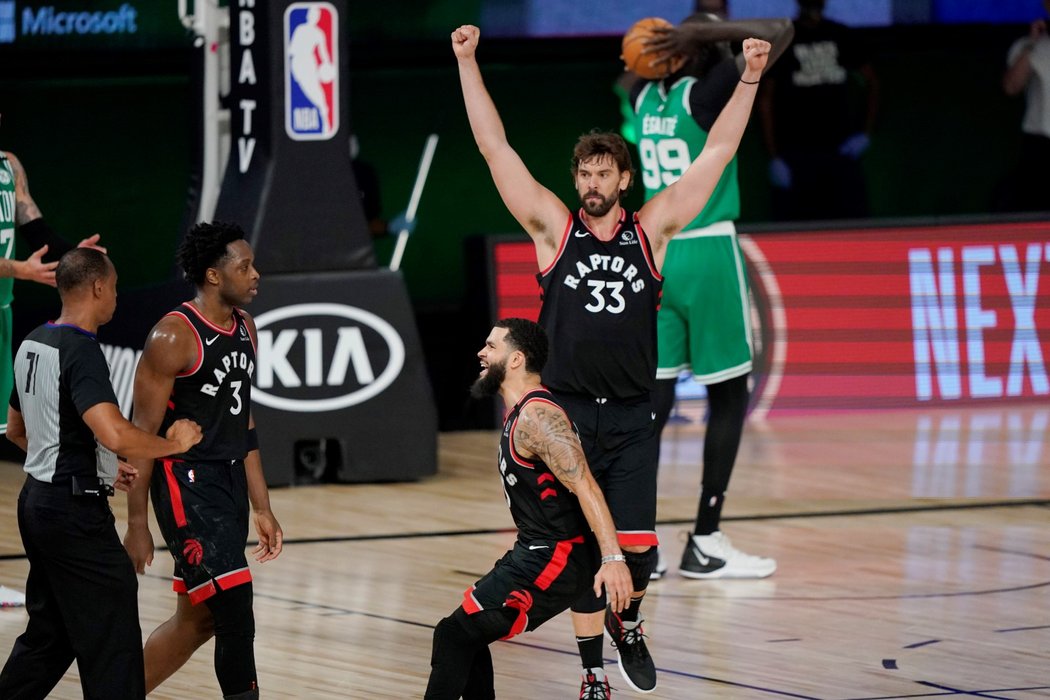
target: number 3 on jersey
236 408
663 161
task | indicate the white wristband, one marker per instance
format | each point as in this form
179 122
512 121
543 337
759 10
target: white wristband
613 557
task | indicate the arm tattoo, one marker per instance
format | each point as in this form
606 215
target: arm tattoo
546 432
26 209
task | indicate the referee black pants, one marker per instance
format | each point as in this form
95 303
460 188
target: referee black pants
81 596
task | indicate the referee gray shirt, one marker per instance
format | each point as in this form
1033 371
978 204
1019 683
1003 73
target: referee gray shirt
60 372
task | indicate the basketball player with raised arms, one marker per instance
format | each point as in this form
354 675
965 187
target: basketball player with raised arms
198 361
600 283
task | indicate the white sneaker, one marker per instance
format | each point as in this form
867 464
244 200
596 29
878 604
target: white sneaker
714 556
10 598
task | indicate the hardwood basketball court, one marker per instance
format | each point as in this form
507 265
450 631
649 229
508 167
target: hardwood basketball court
913 551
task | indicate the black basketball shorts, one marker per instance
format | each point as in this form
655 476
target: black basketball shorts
540 579
622 447
202 510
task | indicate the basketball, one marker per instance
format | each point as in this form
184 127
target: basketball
648 66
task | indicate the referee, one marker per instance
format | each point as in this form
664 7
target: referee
81 591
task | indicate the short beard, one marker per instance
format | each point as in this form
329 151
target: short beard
598 209
489 383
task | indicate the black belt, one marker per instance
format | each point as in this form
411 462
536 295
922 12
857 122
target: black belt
79 486
90 486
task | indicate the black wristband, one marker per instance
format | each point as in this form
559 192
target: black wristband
37 233
749 82
253 440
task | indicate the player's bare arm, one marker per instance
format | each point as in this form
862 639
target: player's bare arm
686 38
116 433
171 348
537 209
26 209
16 429
271 537
544 432
33 268
669 211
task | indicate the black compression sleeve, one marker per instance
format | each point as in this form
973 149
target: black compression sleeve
37 233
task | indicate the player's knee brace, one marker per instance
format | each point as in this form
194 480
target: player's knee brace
461 664
460 631
487 626
589 603
232 612
449 633
641 565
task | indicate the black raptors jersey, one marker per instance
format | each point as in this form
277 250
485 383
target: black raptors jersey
599 309
542 507
217 391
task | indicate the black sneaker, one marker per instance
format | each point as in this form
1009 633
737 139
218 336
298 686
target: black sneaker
595 687
636 665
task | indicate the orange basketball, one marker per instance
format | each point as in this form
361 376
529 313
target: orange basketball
650 66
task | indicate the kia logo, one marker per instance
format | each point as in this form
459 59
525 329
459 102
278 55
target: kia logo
324 357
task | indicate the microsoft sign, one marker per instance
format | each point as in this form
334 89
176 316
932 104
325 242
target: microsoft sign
87 24
48 20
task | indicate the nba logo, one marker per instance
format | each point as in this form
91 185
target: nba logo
311 71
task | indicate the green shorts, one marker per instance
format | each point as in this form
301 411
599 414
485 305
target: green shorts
704 324
7 370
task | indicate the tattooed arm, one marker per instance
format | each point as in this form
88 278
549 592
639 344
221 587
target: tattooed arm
544 432
47 246
26 209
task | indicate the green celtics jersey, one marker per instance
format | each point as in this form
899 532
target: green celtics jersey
7 223
669 139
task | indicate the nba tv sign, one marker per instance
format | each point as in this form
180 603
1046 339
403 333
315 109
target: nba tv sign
311 71
324 357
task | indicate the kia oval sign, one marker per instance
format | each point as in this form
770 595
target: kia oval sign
324 357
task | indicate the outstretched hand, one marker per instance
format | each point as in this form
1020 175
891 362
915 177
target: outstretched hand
670 41
35 269
465 41
756 54
92 242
